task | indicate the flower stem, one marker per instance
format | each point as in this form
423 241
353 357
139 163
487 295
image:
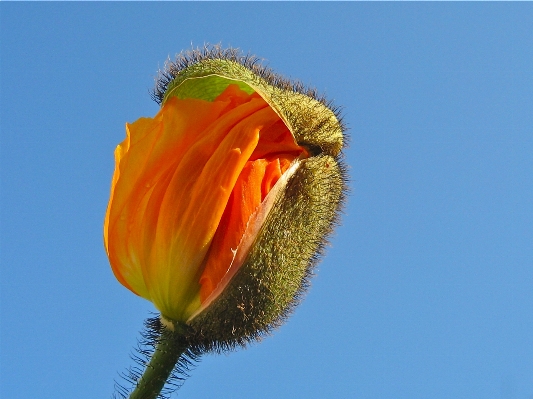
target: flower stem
170 347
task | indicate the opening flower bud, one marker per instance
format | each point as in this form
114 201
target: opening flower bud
220 203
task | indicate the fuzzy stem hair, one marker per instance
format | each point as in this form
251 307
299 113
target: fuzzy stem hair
164 359
159 369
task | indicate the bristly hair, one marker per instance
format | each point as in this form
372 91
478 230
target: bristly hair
141 356
210 52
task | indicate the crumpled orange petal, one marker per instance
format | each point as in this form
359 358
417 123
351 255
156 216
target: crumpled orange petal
254 183
185 186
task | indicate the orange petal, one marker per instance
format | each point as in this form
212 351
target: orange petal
143 160
185 187
254 183
195 202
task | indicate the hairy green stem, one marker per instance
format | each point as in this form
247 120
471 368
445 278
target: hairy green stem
167 353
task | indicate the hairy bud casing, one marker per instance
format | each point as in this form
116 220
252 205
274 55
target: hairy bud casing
256 281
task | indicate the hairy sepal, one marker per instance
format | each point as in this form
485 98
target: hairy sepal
276 272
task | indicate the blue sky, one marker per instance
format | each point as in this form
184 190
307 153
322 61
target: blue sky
427 288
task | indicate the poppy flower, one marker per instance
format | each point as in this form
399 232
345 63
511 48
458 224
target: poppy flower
220 204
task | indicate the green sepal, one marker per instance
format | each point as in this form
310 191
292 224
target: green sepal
205 88
312 123
276 272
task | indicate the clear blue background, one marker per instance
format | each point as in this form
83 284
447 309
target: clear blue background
427 289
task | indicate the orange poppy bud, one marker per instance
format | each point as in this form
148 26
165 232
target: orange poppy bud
220 203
